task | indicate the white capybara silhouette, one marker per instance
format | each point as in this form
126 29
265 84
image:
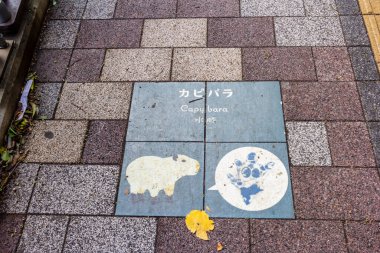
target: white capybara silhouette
154 173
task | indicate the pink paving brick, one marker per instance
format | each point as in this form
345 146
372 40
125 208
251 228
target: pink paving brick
363 236
85 65
278 63
208 8
240 32
321 101
297 236
336 193
145 9
333 64
350 144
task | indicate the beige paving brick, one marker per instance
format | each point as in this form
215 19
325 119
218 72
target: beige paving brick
208 64
148 64
94 101
56 141
174 33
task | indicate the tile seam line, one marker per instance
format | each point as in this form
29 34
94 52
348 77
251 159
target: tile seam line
66 233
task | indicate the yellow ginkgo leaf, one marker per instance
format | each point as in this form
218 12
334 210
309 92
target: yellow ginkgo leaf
219 247
198 222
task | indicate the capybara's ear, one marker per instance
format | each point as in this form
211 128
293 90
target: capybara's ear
175 157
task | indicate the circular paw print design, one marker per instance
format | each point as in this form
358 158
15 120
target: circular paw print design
251 178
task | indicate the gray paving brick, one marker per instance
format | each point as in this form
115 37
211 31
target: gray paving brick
320 8
347 7
111 234
47 95
308 31
354 31
99 9
308 144
75 190
251 8
370 96
60 34
363 63
10 231
17 194
68 9
43 234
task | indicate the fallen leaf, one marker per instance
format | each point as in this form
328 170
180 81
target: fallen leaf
219 247
198 222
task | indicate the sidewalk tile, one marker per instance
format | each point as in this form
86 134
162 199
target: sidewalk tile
347 7
10 232
308 145
272 8
232 233
56 141
321 101
333 64
336 193
174 33
105 142
350 144
85 65
68 9
60 34
137 65
51 65
111 234
370 96
43 234
109 33
297 236
374 131
99 9
354 31
47 95
363 63
15 198
320 8
207 64
146 9
369 6
94 101
363 237
240 32
75 189
208 8
308 31
278 63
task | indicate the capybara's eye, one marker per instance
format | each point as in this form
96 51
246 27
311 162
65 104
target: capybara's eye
246 172
183 161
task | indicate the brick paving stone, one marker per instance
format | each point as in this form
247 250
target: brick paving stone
297 236
105 142
308 31
68 9
232 233
333 64
99 9
347 7
47 95
43 234
75 189
94 101
308 144
109 33
137 65
111 234
272 8
350 144
320 8
370 96
362 236
363 63
146 9
336 193
174 33
374 131
60 34
51 64
240 32
278 63
208 8
85 65
56 141
321 101
16 196
354 31
209 64
10 232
